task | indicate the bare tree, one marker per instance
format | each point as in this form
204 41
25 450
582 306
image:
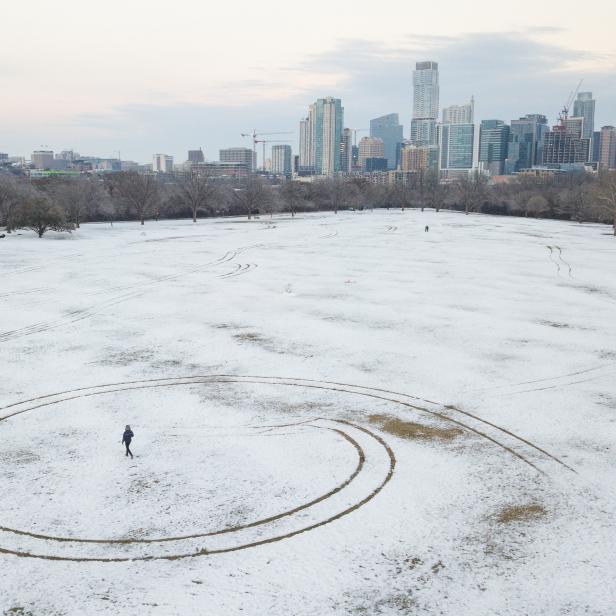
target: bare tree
293 195
197 190
139 192
253 196
472 190
432 192
10 198
40 214
605 195
334 194
399 195
79 197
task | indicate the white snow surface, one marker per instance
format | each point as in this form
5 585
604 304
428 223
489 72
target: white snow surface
333 414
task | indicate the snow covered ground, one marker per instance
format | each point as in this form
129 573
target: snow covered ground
334 414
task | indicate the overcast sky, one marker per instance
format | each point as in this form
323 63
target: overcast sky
168 75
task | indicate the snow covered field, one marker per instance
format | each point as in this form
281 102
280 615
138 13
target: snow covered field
334 414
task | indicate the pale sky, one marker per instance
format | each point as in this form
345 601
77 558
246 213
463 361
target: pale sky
169 75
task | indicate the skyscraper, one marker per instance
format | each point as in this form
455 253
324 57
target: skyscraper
584 107
307 141
563 147
459 148
346 151
574 125
328 123
607 148
425 103
525 142
460 114
596 146
389 129
281 159
493 141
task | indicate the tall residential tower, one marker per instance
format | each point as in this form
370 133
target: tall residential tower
425 103
584 107
328 125
460 114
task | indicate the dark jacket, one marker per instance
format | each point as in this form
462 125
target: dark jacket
127 437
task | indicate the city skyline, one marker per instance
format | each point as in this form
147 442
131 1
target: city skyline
113 96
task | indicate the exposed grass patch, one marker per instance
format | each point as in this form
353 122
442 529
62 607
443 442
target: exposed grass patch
554 324
250 337
262 341
521 513
414 431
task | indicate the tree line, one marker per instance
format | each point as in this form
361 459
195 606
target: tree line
63 203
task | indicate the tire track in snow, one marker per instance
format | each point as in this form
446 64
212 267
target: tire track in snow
560 257
290 381
340 430
553 259
239 270
371 392
136 290
328 236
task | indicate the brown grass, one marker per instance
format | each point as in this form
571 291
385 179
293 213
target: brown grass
520 513
414 431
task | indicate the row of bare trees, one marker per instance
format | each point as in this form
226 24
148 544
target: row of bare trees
64 203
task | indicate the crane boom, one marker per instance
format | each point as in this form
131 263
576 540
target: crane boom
255 140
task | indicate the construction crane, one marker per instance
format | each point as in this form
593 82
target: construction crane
358 130
255 139
564 114
264 141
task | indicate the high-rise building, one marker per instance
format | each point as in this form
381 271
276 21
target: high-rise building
425 103
370 148
584 107
459 148
607 148
240 156
162 163
281 159
196 156
418 158
525 142
327 135
460 114
493 141
42 159
307 126
595 146
574 126
389 129
563 146
346 151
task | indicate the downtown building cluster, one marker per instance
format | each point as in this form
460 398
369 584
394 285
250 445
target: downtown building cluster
448 143
452 144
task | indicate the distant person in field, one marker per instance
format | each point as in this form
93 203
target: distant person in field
127 437
427 229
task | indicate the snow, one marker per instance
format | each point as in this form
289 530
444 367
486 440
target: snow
260 365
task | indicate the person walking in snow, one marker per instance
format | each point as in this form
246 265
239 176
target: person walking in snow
127 437
427 229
